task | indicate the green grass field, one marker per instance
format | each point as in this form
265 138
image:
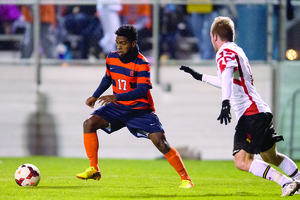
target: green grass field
134 179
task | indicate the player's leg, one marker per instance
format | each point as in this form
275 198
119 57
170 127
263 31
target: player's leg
93 123
173 157
270 154
159 140
90 138
243 160
91 144
246 162
256 134
283 162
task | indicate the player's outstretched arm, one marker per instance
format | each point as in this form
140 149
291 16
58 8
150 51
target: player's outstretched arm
191 71
211 80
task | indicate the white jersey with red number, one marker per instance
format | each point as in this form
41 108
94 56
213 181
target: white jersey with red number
235 79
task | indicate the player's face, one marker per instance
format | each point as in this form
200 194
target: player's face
213 41
124 46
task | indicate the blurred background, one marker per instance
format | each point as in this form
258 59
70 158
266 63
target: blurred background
52 57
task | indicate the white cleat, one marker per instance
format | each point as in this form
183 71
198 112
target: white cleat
298 191
290 188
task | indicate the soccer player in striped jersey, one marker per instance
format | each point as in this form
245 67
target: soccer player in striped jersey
130 105
255 133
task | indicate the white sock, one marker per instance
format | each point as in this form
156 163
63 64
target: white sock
258 168
264 170
290 168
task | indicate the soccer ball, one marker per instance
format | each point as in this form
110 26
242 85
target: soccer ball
27 175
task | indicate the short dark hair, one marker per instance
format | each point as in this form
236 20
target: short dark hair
127 31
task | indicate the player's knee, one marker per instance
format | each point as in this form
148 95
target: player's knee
86 123
163 148
89 126
241 165
159 145
160 142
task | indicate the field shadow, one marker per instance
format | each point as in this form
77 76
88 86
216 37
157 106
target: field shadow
41 133
66 187
147 196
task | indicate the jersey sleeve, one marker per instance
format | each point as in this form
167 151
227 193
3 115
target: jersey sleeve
140 92
227 62
104 84
144 75
212 80
107 67
227 83
226 59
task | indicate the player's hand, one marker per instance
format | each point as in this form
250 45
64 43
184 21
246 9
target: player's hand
225 112
107 99
91 101
195 74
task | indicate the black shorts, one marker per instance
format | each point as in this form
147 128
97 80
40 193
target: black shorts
255 133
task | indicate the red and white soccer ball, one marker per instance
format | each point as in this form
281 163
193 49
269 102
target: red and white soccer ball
27 175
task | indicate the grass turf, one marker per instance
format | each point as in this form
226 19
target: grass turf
134 179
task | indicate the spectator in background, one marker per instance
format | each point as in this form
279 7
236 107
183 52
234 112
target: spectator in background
170 16
202 16
47 39
110 21
139 15
8 15
82 20
10 23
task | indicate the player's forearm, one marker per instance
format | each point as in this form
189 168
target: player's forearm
212 80
104 85
139 92
227 83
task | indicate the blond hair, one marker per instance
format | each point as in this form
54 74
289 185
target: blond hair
224 28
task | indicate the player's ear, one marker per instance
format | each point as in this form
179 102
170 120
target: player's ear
215 37
134 43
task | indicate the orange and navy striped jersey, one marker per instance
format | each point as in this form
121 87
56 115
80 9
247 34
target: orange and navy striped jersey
127 76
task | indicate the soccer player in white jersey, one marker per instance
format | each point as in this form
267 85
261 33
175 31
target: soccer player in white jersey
255 133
